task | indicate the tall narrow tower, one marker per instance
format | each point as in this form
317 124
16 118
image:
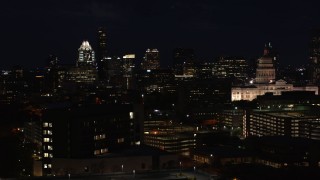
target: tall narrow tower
314 57
102 53
102 44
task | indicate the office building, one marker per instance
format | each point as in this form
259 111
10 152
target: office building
230 67
151 60
84 132
102 54
183 61
293 123
85 70
128 69
86 55
314 57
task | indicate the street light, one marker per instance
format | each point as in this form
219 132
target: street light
122 168
180 167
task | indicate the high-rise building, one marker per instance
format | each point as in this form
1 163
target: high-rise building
151 60
275 60
85 70
86 55
128 66
102 44
183 61
314 57
54 75
102 53
52 61
227 67
83 132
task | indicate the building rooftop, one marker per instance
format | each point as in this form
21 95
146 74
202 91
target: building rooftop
142 150
224 151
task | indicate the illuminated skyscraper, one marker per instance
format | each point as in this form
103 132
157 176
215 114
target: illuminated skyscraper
151 59
86 55
128 69
85 70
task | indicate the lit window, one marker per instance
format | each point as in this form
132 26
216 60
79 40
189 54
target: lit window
45 124
131 115
120 140
46 155
103 150
97 137
49 132
47 140
96 152
50 148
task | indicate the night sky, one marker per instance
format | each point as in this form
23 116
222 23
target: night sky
31 30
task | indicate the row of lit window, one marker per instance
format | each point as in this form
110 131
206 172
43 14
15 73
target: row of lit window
48 155
120 140
46 166
49 148
100 151
47 132
47 139
46 124
98 137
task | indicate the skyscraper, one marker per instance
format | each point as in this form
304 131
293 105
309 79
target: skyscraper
102 44
226 67
102 53
128 70
52 61
86 55
183 61
314 57
85 70
151 59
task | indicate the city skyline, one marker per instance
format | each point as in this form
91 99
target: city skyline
211 28
182 89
